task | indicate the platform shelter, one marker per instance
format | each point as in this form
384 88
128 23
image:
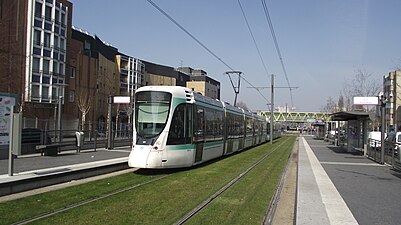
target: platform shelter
354 129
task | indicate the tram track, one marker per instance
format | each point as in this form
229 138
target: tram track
88 201
230 184
193 212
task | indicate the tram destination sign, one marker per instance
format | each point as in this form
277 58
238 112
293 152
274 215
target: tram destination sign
366 100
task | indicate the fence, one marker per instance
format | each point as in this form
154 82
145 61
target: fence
37 133
391 152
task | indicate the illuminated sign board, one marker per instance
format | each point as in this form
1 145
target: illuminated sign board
366 101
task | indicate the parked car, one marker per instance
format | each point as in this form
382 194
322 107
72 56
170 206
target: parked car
397 144
374 138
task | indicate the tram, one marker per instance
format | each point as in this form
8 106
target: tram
177 127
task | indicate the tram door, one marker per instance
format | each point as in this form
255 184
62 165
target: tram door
199 132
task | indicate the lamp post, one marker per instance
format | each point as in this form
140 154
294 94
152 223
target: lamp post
59 108
383 102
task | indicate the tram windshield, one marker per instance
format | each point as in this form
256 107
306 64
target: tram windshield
151 112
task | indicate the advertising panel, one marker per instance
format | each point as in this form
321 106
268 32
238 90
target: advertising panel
6 105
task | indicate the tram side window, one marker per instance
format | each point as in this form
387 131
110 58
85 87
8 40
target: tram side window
235 123
210 125
181 123
214 124
219 123
199 128
241 125
230 125
256 126
249 127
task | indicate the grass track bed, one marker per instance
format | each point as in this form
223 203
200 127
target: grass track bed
167 200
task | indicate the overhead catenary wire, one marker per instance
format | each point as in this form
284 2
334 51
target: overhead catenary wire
270 23
253 37
201 44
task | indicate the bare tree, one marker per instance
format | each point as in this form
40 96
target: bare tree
363 84
331 106
242 105
84 102
340 103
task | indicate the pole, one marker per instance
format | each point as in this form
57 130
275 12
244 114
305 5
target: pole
60 100
10 147
383 126
272 109
110 128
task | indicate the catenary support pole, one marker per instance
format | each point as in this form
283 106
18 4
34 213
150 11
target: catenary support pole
272 110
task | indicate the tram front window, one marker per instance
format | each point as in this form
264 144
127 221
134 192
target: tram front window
151 112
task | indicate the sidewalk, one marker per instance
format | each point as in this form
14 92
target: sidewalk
318 201
338 187
34 171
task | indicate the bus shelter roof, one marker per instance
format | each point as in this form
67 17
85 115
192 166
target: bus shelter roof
346 116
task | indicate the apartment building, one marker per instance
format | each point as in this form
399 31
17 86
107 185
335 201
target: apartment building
392 93
156 74
34 45
200 82
93 77
132 74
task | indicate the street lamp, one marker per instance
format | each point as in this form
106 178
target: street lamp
383 102
59 103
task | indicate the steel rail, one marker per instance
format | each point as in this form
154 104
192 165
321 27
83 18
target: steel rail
201 206
271 209
85 202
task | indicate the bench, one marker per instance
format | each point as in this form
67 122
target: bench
51 149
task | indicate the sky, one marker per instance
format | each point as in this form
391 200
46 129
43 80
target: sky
322 42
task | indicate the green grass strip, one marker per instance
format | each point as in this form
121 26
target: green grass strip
161 202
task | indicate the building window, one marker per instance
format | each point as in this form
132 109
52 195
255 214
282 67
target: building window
46 53
38 23
72 75
45 92
35 65
61 69
71 96
57 16
35 78
62 41
48 13
37 51
36 37
54 93
35 91
55 44
47 40
46 66
45 80
38 9
62 19
55 68
48 26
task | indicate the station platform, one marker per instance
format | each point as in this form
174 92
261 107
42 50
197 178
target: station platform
34 171
338 187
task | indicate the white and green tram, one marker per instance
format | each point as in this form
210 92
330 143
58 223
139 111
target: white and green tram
177 127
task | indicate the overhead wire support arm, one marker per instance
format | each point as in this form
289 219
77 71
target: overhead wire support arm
236 88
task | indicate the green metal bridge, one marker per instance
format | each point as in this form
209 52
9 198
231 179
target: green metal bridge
297 117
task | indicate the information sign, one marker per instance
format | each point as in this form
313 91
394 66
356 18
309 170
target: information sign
6 105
